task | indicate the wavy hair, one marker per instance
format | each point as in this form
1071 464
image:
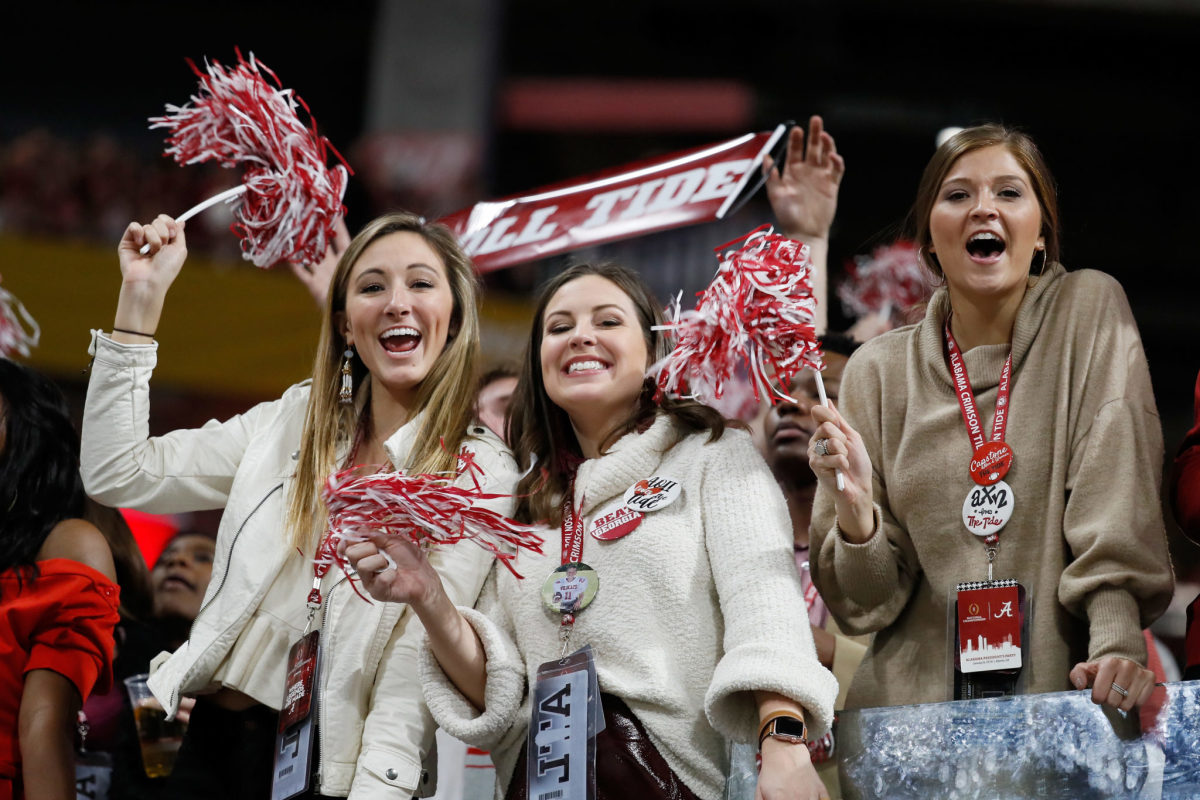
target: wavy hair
969 140
40 484
446 393
540 432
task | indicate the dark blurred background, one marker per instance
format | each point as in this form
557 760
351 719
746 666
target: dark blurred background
437 105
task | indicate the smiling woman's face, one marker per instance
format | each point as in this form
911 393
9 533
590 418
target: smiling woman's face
181 575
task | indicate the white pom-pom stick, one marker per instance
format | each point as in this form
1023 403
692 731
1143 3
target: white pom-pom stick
227 196
841 482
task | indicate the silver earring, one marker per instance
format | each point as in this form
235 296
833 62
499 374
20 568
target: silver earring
346 395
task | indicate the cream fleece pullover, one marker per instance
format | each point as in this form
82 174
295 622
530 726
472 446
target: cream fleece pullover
696 608
1086 537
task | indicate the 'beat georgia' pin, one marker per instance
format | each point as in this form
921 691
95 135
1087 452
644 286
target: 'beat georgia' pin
615 520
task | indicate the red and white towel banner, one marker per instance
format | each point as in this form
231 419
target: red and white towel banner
685 188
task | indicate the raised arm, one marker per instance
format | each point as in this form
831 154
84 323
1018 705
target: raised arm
803 192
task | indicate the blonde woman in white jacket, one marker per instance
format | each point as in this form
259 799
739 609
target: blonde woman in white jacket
392 384
697 626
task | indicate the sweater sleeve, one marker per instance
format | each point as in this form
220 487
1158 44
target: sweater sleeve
768 643
504 691
1120 576
867 585
122 465
1185 477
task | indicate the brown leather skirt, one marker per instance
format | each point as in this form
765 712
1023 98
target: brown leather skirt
627 764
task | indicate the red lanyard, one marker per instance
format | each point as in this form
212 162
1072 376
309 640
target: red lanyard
572 550
572 529
966 395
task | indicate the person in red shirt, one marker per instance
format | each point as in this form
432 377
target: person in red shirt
58 599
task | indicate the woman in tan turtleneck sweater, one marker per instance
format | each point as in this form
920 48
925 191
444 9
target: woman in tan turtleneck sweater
1085 538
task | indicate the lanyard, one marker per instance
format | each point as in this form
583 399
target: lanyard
572 529
321 563
990 504
966 395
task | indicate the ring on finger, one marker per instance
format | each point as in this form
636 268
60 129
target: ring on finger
1121 690
821 447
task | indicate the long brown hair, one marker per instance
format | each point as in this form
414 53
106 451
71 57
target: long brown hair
445 394
540 432
966 141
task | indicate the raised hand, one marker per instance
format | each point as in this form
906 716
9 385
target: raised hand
146 277
317 277
804 192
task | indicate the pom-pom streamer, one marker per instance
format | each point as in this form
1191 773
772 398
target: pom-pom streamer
427 509
888 282
758 311
290 201
19 333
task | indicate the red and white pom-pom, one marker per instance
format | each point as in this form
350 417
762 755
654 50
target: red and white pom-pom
427 509
291 201
19 333
757 311
888 282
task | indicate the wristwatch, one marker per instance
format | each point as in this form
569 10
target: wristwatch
786 729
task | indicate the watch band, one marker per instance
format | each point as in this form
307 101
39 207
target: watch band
785 728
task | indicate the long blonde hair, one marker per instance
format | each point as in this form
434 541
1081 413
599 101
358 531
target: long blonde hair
446 393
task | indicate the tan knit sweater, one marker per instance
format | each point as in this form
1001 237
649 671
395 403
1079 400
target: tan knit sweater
1086 537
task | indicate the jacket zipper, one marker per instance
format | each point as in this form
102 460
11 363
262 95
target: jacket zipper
321 687
225 574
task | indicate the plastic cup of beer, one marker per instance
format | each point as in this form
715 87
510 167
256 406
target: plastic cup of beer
159 738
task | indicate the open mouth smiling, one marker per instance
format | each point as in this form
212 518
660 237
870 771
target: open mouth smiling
986 246
400 339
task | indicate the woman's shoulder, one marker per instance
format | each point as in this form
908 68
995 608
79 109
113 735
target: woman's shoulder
1090 286
82 542
734 445
489 451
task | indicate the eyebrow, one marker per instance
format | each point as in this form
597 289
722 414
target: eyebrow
998 178
380 270
594 309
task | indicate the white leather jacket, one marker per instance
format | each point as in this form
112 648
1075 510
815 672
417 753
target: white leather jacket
373 724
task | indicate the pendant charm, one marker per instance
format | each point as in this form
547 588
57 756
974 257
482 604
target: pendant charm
652 494
570 588
987 509
991 462
614 521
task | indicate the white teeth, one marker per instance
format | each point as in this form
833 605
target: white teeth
579 365
985 236
399 332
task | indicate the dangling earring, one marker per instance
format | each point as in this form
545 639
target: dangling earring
346 395
1042 268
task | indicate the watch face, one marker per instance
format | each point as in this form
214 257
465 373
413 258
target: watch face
787 726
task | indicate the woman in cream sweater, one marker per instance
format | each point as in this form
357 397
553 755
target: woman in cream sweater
697 628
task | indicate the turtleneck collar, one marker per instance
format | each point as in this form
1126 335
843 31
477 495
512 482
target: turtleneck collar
985 362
